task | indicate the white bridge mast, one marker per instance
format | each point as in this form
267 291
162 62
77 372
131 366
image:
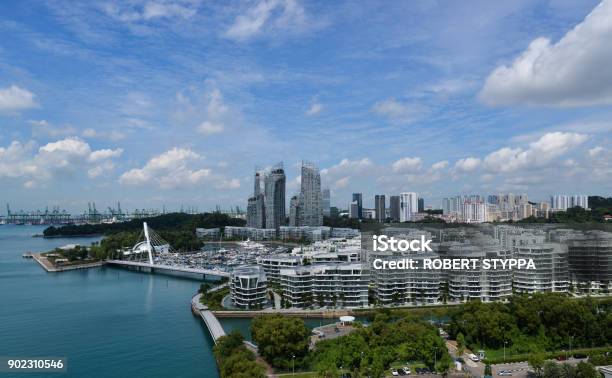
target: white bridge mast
149 248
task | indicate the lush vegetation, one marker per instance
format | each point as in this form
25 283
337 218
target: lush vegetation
533 324
235 360
282 341
551 369
212 299
76 255
577 214
341 222
172 221
178 229
370 351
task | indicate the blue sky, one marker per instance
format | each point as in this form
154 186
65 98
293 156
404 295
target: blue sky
175 102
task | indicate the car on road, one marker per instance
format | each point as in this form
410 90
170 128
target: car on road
401 372
504 373
394 372
474 357
407 370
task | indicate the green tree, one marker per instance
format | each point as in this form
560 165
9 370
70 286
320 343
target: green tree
279 338
536 361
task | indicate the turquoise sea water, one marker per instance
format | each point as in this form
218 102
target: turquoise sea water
108 322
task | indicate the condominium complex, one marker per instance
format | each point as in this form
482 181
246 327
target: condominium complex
564 202
310 211
330 284
551 273
478 283
406 286
248 287
274 263
590 259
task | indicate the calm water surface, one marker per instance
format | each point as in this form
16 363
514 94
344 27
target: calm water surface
108 322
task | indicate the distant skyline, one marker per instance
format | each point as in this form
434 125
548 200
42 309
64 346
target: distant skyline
156 103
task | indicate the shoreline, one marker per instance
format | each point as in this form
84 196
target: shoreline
49 267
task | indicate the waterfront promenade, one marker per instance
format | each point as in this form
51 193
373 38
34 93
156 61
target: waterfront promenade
213 325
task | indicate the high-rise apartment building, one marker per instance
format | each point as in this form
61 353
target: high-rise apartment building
408 206
421 205
358 197
394 208
380 207
310 212
294 211
326 202
275 197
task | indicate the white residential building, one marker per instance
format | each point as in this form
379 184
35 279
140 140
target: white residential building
409 205
344 284
248 287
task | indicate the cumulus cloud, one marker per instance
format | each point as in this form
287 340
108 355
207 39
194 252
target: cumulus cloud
172 169
545 149
43 127
571 72
596 151
468 164
14 99
268 16
407 164
60 159
397 111
439 165
349 166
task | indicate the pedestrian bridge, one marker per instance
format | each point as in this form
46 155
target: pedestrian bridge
212 323
171 268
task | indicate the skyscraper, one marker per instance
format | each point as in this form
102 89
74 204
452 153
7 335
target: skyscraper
256 212
408 206
379 206
394 208
294 211
275 197
358 197
310 210
421 206
326 202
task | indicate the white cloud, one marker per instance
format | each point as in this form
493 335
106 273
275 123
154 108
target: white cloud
105 154
171 169
209 128
439 165
539 153
572 72
468 164
135 11
341 183
596 151
60 159
315 108
349 166
407 165
269 16
14 99
397 111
